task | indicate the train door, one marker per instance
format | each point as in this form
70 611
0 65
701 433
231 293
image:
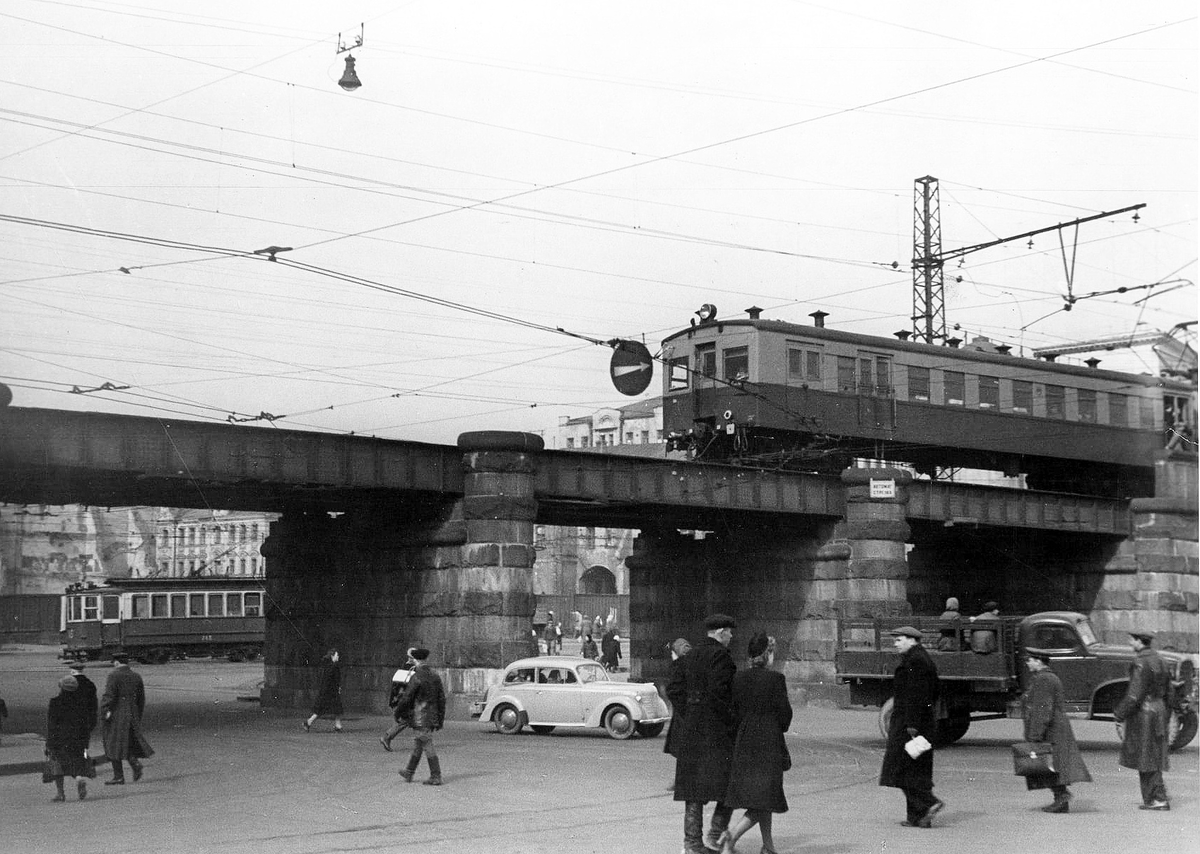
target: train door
110 620
876 400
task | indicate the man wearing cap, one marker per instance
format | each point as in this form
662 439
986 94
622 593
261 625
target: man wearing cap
702 686
1144 712
426 697
915 688
121 708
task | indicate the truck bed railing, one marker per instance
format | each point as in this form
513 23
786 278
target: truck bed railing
864 648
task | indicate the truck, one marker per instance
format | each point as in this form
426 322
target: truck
978 686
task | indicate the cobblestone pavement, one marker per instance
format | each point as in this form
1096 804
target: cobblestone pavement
231 777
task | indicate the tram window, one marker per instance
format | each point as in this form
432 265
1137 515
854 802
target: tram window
679 374
253 604
1087 405
1056 405
845 374
1146 413
918 383
1022 397
158 605
178 605
1118 410
141 606
989 392
233 604
706 360
216 604
76 608
91 607
955 382
736 363
110 606
195 604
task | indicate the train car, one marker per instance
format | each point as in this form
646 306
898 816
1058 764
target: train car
768 393
157 619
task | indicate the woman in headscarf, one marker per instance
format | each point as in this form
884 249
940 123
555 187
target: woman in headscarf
1046 721
760 754
68 732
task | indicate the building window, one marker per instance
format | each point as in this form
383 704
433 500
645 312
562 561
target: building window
1118 410
706 359
955 382
645 437
660 435
1056 406
1022 397
1087 405
736 363
628 437
254 532
918 384
845 374
570 441
679 373
254 566
989 392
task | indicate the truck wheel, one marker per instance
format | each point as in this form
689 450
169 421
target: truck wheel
952 729
1182 728
885 716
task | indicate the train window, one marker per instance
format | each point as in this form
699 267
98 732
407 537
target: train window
918 383
1118 410
158 605
706 360
178 605
233 604
736 363
76 608
1056 401
1022 397
1146 413
110 607
1087 405
195 604
679 374
845 374
91 607
141 606
804 364
253 604
955 383
989 392
216 604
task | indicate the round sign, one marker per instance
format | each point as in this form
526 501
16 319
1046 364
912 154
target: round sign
631 368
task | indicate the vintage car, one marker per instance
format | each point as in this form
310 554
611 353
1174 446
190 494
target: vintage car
565 691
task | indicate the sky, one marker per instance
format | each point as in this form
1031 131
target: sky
514 182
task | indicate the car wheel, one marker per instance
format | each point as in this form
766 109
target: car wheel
542 729
650 730
618 723
507 719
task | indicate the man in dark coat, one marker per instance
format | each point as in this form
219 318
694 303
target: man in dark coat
679 648
1144 712
915 692
426 698
703 686
610 649
1046 721
121 707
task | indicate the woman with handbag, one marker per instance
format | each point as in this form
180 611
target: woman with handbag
68 732
760 755
1046 721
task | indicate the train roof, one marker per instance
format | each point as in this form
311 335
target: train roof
896 345
166 585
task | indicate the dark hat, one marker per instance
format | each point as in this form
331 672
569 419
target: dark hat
906 631
1144 637
419 653
719 621
991 606
758 644
68 683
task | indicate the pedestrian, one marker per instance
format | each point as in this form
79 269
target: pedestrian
1144 712
68 731
1046 721
598 626
588 648
86 694
610 649
400 714
915 691
121 709
552 635
703 685
950 640
577 624
678 649
328 702
760 754
983 638
427 699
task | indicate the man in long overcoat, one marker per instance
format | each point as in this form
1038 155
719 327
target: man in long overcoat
1144 712
1046 721
915 689
702 685
121 708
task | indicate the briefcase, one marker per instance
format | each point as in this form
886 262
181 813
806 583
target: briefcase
1033 759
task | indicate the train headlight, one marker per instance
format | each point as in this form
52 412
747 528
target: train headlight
707 312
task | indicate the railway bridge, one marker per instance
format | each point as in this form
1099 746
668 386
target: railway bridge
387 544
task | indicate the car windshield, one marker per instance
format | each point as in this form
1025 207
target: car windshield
1084 627
592 673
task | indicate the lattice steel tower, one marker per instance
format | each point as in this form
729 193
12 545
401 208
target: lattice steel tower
929 299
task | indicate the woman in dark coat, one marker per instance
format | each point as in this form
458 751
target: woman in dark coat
760 756
1046 721
679 648
68 731
329 699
